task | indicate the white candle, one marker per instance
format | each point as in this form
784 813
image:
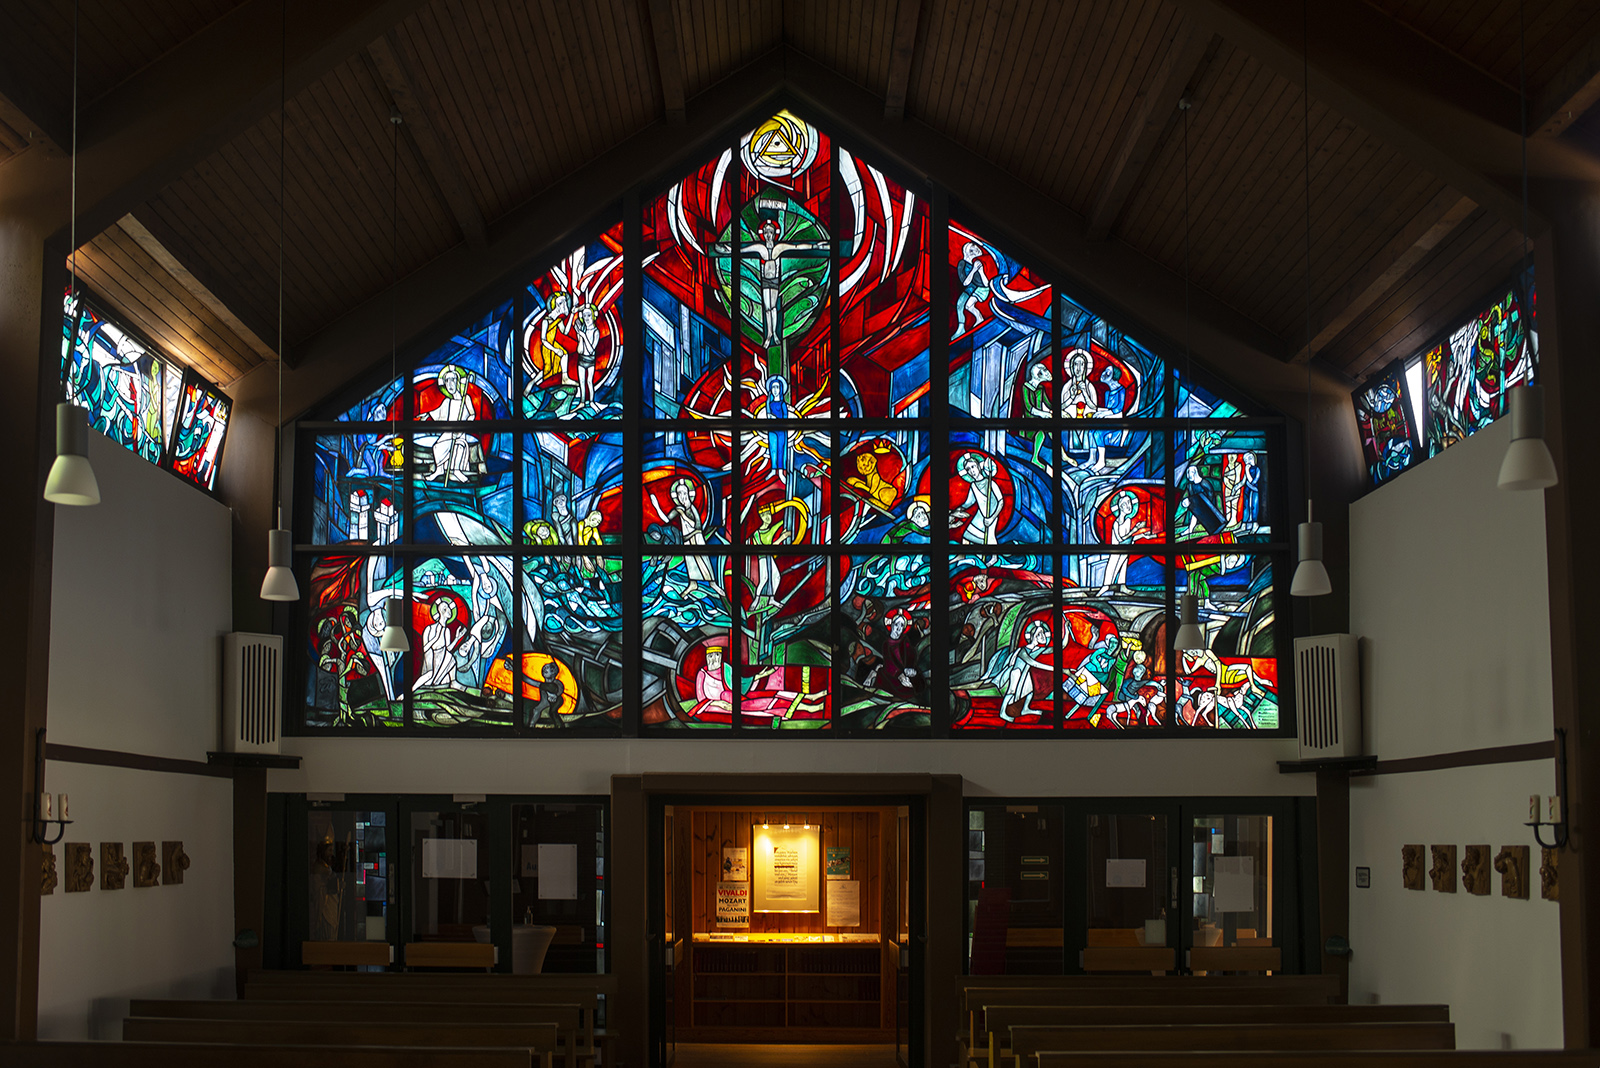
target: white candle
1533 808
63 806
44 805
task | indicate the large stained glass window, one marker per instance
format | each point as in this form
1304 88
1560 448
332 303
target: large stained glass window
138 398
860 469
1420 405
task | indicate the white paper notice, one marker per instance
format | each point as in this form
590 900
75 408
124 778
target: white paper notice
1128 873
558 872
449 858
844 903
786 884
1233 887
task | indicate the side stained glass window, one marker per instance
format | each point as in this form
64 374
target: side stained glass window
138 398
859 467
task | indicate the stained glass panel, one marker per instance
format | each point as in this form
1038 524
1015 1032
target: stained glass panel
883 295
1390 441
351 682
1221 486
1002 644
119 378
885 637
784 487
1104 374
572 488
469 504
198 431
466 379
1233 682
358 493
884 491
572 336
1114 641
687 660
786 672
687 481
462 611
999 330
572 650
1196 401
1000 494
1469 374
1114 486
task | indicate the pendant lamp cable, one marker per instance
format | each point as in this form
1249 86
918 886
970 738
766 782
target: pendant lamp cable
1305 114
283 118
394 290
73 238
1522 103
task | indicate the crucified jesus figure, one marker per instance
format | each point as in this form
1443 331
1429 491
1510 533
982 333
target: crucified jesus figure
770 253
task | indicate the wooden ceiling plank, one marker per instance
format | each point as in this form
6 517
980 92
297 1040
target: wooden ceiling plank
249 336
133 304
669 61
1568 94
1039 122
908 14
1103 20
986 61
416 108
513 165
1126 43
1185 50
1088 176
1033 64
1443 214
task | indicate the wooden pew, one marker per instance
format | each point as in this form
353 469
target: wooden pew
1328 985
570 1019
210 1055
1026 1041
1177 992
540 1038
1000 1018
1577 1058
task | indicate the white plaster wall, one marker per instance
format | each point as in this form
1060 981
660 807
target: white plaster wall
99 948
1450 595
140 600
1496 961
141 596
1088 767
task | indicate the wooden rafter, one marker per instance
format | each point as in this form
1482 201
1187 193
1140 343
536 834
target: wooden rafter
416 107
1573 90
1155 109
1437 221
669 61
907 15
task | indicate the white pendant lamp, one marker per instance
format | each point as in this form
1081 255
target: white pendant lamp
279 585
71 478
394 638
1528 464
1311 577
1190 636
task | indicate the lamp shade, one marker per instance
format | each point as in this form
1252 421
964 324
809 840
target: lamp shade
394 638
1528 464
1311 577
279 585
1190 636
71 478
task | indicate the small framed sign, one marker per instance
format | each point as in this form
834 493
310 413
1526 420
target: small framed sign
1363 878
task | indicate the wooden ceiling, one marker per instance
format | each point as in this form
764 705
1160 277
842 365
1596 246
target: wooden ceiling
504 99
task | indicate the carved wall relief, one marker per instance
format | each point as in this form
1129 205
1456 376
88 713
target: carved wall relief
1411 866
113 866
174 862
80 867
146 872
47 870
1512 864
1475 870
1443 872
1549 874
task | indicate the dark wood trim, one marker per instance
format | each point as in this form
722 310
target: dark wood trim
1333 872
112 758
1466 758
281 761
249 869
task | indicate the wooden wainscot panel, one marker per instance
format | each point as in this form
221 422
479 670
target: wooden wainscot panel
80 867
1475 870
113 866
1411 866
1512 864
1550 874
1443 872
146 870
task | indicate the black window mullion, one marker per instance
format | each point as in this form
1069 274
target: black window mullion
939 548
736 555
632 378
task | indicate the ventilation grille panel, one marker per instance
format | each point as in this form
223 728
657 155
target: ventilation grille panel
1328 696
252 692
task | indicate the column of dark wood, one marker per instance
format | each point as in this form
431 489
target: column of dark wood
249 866
630 956
28 289
1333 870
947 838
1568 276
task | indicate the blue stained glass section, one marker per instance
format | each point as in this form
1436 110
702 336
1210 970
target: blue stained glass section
463 507
572 488
468 377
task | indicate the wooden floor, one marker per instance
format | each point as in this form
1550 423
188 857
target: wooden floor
731 1055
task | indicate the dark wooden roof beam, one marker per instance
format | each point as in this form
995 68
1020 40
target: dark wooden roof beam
1572 91
416 107
1152 114
181 107
906 17
1443 214
1447 115
669 61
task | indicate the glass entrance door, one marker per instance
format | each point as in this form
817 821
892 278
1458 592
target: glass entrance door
349 892
1129 893
1234 893
447 919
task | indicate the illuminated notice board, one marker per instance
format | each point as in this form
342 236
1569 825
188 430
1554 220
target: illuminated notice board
787 867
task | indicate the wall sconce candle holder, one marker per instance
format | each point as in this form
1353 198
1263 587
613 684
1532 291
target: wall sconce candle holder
1558 827
41 821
